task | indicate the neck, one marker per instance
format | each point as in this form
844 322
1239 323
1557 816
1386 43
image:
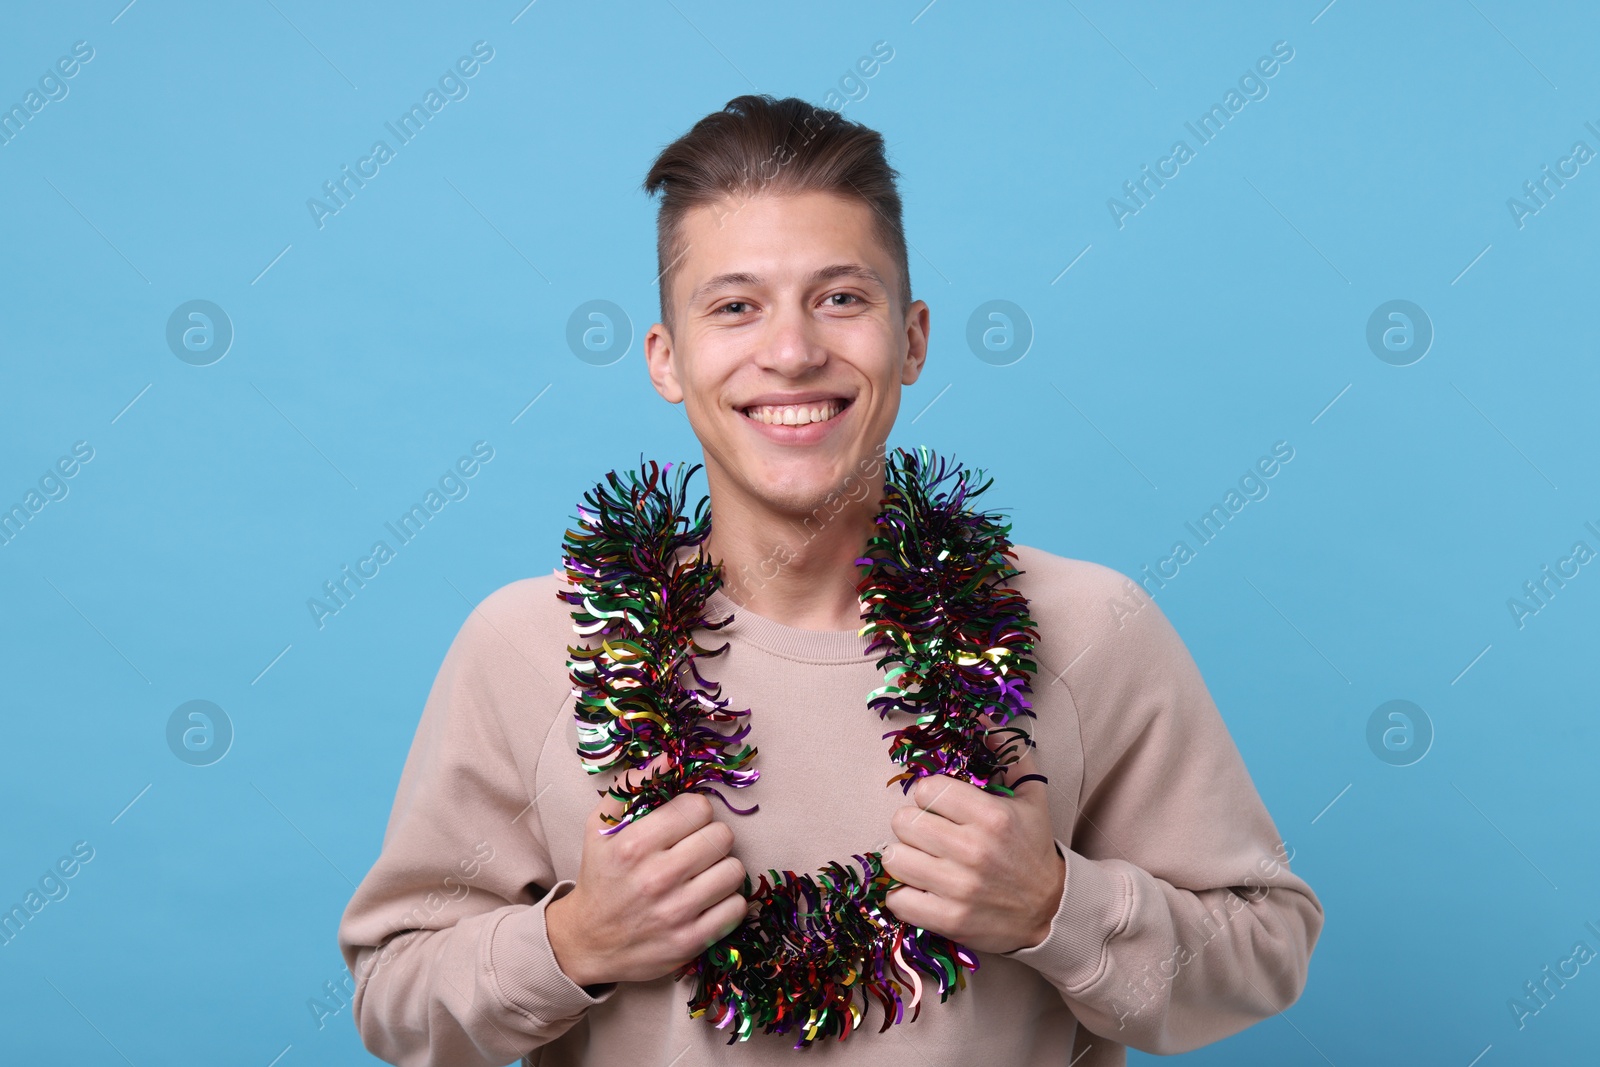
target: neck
797 568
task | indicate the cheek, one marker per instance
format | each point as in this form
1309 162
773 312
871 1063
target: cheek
702 424
708 377
882 358
699 396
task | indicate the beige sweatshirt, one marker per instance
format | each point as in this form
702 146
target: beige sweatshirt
1180 922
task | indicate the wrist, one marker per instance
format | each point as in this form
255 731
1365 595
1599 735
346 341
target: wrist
1053 901
567 944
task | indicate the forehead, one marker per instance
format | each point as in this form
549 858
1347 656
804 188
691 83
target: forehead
776 236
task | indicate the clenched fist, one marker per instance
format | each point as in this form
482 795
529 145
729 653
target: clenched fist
650 896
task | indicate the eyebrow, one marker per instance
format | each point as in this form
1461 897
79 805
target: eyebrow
823 274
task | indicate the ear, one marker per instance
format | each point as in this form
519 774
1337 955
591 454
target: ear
658 358
916 327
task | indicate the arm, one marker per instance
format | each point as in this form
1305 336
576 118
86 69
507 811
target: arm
446 934
1179 922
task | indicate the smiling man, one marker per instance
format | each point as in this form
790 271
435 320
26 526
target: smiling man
1139 895
789 368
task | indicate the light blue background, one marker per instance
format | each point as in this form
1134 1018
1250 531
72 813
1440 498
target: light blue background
369 354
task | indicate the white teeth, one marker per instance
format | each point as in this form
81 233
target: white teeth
794 414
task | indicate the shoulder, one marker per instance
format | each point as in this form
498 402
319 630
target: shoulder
1131 677
1076 576
1077 596
517 635
527 605
1103 623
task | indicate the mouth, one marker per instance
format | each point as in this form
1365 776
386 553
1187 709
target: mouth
818 411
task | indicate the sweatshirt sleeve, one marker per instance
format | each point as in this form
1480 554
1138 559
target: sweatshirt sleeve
1179 923
446 934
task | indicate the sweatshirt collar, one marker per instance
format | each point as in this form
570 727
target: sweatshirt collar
790 642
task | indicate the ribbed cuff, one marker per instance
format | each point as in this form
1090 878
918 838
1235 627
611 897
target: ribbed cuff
1094 906
524 968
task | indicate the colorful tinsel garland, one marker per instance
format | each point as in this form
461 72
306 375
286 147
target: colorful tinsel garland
956 644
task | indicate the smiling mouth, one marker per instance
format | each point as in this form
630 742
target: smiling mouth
796 414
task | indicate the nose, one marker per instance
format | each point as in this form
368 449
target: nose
790 345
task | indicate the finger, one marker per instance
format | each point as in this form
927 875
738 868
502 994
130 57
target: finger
714 884
925 830
909 864
1004 741
697 851
609 809
914 906
1023 774
1016 745
664 826
720 920
957 801
681 815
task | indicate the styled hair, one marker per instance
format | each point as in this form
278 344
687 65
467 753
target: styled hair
758 144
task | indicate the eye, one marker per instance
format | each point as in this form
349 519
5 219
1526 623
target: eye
848 296
735 307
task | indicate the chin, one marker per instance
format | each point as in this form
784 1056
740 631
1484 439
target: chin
799 484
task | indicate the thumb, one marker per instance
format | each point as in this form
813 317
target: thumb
1013 743
609 810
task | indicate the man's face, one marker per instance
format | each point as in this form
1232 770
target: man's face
785 313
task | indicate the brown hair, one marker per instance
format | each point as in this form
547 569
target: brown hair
758 144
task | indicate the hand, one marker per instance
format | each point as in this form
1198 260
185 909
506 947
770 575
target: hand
651 896
980 869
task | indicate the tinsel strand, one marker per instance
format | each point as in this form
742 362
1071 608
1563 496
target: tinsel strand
816 950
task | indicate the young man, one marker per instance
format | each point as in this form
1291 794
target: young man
1141 897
